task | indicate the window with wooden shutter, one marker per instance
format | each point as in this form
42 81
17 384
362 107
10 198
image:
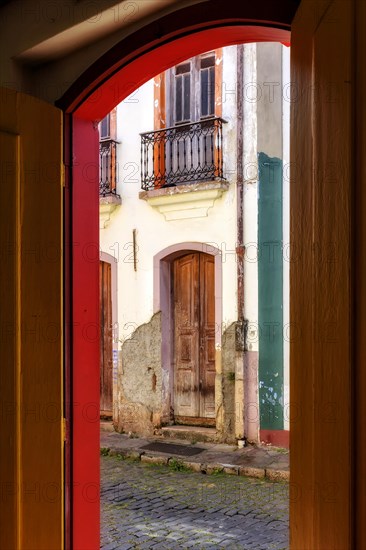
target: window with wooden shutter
207 86
182 83
105 127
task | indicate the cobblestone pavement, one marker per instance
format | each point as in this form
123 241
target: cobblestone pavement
149 506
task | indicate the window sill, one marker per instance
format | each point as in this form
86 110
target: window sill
107 205
191 200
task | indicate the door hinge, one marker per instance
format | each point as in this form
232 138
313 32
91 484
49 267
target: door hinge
63 175
64 429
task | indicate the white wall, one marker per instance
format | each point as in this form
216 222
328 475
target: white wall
250 163
154 233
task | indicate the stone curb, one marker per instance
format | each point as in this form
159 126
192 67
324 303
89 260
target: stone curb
250 471
211 469
277 475
159 460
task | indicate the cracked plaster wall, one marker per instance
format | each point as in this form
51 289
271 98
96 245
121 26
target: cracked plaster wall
140 380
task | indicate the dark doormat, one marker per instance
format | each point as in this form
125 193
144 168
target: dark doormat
170 448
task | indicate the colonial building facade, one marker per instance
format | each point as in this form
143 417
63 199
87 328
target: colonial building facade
194 241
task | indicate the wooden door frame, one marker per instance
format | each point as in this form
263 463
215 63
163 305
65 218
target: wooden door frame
108 81
163 263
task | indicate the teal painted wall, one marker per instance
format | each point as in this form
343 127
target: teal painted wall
270 293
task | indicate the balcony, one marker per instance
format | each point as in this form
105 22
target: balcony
182 168
108 197
107 166
182 154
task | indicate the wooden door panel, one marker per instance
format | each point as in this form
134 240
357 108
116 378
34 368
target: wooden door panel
321 279
186 332
194 321
186 348
207 336
9 371
107 332
106 353
208 374
30 288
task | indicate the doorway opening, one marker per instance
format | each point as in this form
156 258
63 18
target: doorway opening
157 187
182 372
184 312
193 319
84 114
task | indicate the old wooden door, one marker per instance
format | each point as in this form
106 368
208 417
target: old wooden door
194 337
106 359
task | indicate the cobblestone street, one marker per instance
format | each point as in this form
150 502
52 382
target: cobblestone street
148 506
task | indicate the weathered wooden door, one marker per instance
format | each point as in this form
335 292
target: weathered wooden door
106 359
194 337
207 336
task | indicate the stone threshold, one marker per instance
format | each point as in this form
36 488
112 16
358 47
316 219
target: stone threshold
189 433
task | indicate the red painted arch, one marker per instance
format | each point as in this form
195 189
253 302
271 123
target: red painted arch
102 99
170 39
108 81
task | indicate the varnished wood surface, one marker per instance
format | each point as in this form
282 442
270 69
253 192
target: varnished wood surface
321 277
31 298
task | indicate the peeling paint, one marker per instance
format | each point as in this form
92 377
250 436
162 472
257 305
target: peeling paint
227 407
139 391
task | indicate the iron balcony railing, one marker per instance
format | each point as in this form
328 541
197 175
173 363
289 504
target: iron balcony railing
107 167
182 154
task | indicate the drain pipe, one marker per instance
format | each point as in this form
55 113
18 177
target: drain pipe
240 325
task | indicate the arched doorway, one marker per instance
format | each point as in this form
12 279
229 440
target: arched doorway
167 263
82 112
325 525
